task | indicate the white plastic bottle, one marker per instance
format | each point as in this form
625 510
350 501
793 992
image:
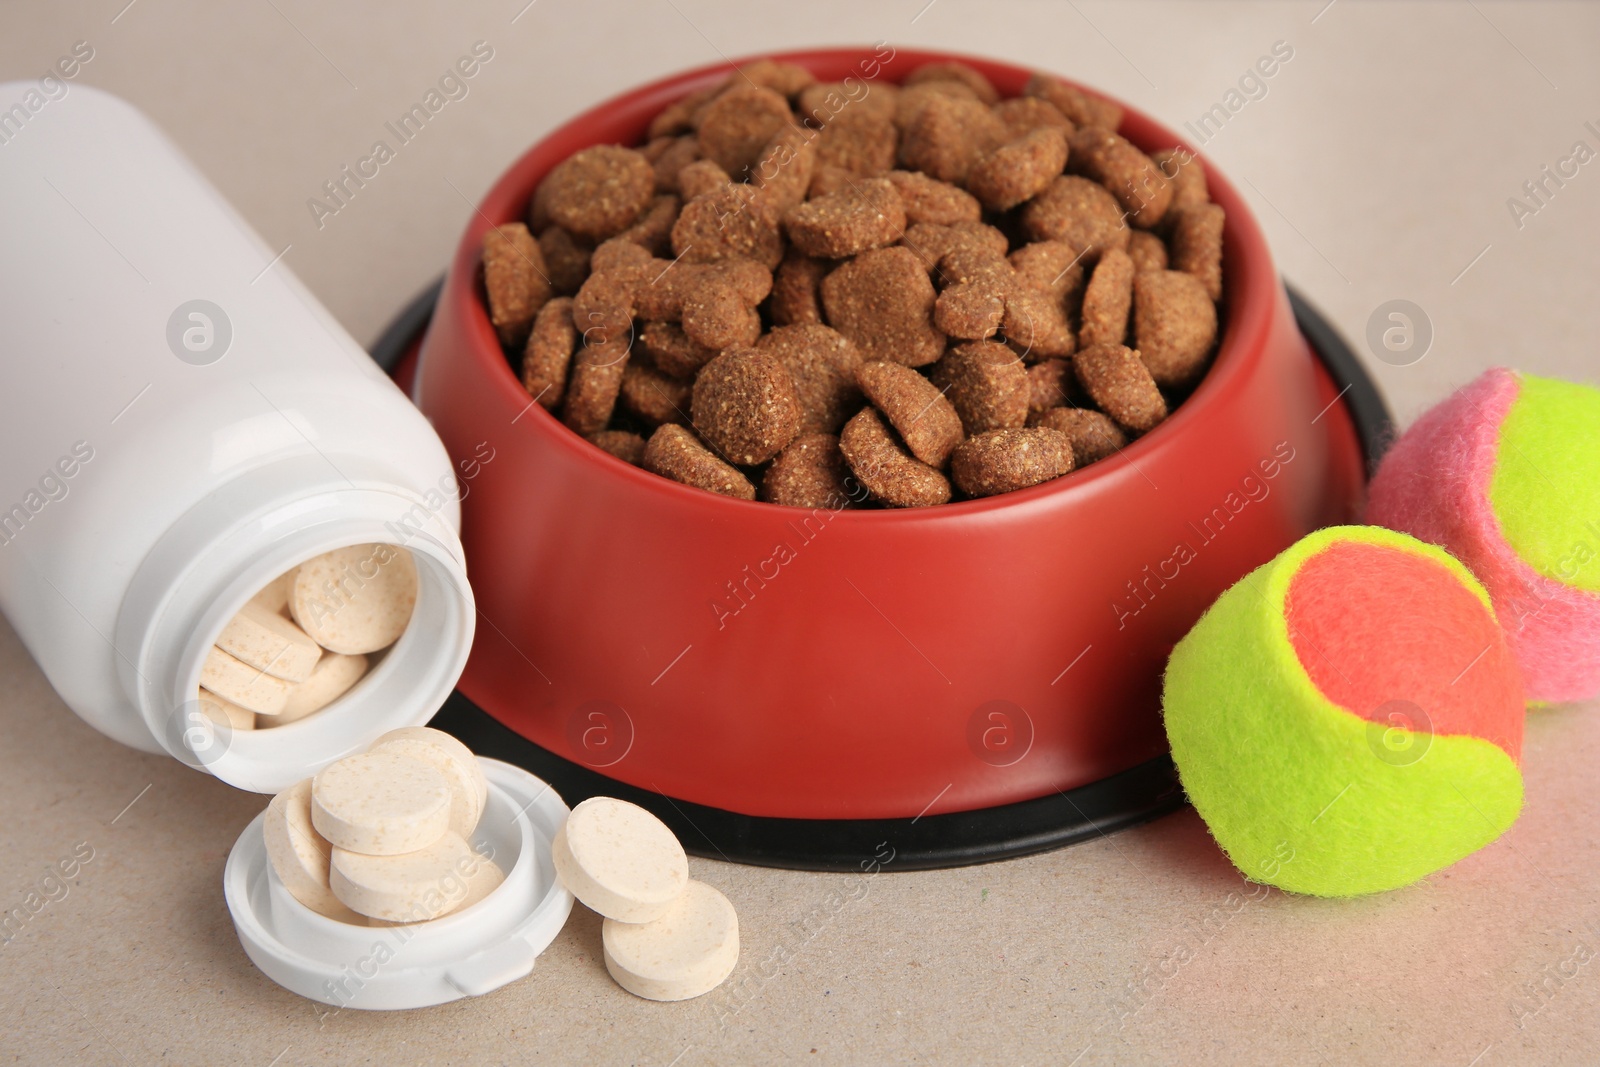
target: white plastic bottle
180 422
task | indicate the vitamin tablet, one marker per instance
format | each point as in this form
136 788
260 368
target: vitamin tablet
620 860
686 952
413 886
269 642
243 684
226 712
300 855
274 596
469 789
485 878
381 804
355 599
330 679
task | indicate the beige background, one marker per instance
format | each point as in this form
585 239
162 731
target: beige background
1380 162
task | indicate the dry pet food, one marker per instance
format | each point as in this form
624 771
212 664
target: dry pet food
857 293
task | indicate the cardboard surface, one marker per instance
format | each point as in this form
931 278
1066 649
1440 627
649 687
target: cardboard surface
1381 160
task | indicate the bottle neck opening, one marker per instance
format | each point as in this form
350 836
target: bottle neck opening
232 545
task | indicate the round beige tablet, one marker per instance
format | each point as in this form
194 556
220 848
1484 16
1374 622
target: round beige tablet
469 789
330 679
380 803
300 855
222 711
484 879
269 642
247 686
619 860
355 599
413 887
686 952
274 596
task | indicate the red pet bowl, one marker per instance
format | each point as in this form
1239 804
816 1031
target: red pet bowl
943 685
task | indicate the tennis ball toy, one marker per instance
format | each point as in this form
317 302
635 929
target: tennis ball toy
1505 474
1348 718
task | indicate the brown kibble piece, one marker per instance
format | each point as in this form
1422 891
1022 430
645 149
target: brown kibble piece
515 280
670 349
1084 109
566 260
1054 266
912 99
654 397
678 116
822 102
1188 177
1014 172
827 180
932 243
1174 326
1148 251
603 310
745 407
593 386
929 200
1093 435
1049 385
860 142
1106 301
653 231
890 473
883 301
986 384
983 293
674 452
810 473
868 215
739 123
1131 176
1002 461
1036 325
678 153
973 304
823 364
948 135
719 301
624 444
737 220
1121 386
785 168
702 177
549 353
925 420
952 71
1024 114
796 290
1078 211
1197 245
620 254
714 302
599 191
787 79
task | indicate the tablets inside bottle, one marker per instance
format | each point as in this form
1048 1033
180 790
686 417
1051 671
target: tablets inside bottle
309 637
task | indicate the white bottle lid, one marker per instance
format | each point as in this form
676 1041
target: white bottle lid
467 953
